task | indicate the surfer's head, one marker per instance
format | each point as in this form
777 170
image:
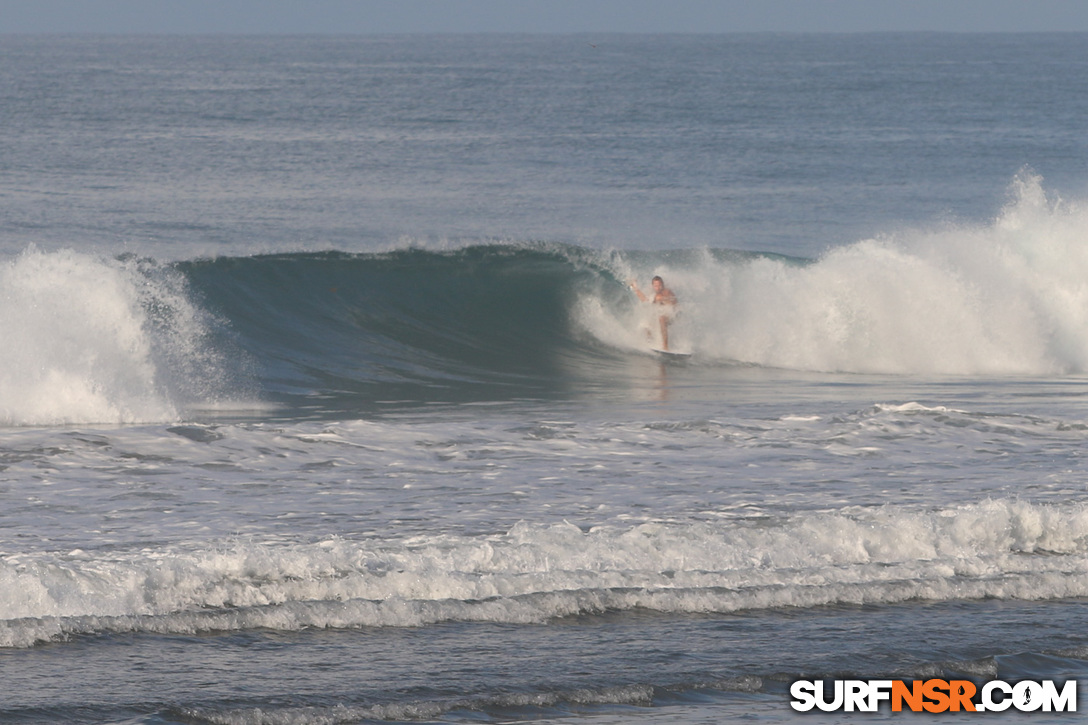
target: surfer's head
658 283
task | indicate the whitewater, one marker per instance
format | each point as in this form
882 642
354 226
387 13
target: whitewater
324 397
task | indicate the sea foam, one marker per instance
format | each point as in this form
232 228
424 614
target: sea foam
92 340
999 549
999 298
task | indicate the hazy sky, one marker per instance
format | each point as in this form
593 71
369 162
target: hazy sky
566 16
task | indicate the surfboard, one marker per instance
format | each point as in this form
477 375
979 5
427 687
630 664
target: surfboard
671 354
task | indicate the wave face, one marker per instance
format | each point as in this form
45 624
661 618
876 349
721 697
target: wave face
92 340
408 325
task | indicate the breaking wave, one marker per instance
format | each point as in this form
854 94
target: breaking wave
127 340
1001 549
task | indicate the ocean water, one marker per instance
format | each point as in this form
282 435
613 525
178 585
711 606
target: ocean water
324 399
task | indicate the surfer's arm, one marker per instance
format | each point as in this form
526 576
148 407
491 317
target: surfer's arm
637 291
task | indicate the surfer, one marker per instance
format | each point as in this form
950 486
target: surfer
664 297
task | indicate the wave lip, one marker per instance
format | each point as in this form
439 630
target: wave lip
533 573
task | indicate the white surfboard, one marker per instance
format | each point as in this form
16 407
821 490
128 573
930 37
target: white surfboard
671 354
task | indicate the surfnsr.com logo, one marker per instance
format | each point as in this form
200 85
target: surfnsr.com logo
934 696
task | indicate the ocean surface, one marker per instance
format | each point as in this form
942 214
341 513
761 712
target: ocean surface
324 398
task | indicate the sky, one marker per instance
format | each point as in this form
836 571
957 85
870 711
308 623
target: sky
541 16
